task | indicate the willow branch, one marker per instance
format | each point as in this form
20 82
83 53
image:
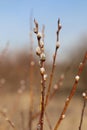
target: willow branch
72 92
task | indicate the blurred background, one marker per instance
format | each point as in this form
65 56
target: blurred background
15 39
19 67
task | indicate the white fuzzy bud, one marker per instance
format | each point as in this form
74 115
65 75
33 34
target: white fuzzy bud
67 99
77 78
45 77
38 50
84 94
57 45
41 44
80 65
55 87
63 116
39 35
42 57
42 70
39 63
32 63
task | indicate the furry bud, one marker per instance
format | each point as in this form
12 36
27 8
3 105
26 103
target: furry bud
42 70
42 57
38 35
77 78
38 51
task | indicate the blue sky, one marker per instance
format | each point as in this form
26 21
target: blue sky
14 21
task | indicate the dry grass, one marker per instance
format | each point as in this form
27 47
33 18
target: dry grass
55 107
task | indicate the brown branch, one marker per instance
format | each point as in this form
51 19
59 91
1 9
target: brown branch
48 121
83 109
7 119
56 87
71 93
41 54
53 65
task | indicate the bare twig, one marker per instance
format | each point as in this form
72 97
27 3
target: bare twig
56 87
53 65
41 54
7 119
72 92
48 121
83 109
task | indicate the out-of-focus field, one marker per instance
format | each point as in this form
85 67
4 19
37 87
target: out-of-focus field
17 109
16 75
15 68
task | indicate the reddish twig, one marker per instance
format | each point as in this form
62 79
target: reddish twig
41 54
53 65
72 92
7 119
56 87
48 121
83 109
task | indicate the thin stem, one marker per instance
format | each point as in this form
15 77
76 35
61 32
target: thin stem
8 120
71 93
58 85
82 114
51 78
41 54
48 121
42 103
53 65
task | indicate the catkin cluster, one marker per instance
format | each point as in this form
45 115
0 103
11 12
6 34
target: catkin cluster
40 51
